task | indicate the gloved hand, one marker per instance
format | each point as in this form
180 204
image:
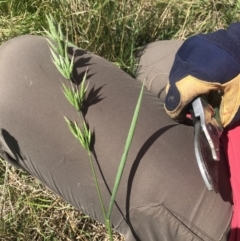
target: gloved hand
203 63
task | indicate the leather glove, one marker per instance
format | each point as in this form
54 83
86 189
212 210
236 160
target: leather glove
204 63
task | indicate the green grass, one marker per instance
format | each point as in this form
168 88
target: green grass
114 30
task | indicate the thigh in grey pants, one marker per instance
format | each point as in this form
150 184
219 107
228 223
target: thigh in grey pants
162 195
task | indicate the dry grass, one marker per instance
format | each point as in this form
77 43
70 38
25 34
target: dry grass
29 212
114 30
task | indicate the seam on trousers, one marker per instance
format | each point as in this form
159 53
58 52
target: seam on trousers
196 229
197 235
156 222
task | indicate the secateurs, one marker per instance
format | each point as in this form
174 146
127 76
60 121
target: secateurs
208 130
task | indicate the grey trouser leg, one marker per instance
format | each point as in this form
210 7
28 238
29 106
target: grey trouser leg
162 195
155 62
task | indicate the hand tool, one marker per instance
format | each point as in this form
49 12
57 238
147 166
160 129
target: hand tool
207 132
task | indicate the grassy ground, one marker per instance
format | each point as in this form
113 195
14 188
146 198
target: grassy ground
114 30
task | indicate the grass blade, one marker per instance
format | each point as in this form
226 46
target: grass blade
125 153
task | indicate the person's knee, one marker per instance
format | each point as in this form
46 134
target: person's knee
155 62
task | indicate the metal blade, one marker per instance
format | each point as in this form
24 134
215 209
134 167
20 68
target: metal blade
207 165
211 127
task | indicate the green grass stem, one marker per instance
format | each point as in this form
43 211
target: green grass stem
125 153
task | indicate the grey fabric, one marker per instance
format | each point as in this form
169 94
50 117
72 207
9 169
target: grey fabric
155 62
162 195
